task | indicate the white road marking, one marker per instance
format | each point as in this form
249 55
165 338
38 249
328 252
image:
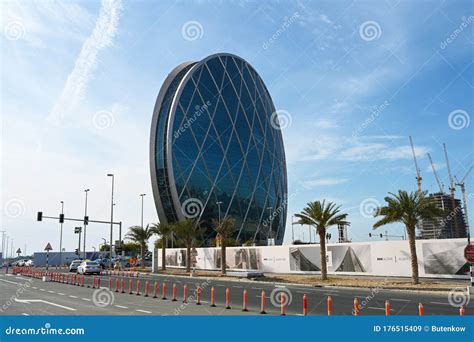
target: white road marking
73 296
34 287
86 299
50 291
144 311
24 314
29 301
121 306
374 308
42 290
8 281
440 303
400 300
61 294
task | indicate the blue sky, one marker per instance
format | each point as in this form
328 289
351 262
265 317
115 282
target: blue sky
352 80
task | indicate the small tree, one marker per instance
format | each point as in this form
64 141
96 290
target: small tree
166 232
140 235
187 231
409 209
224 229
322 215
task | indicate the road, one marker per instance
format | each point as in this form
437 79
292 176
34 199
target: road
21 295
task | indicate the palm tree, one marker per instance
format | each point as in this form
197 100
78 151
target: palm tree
322 215
140 235
409 209
187 231
224 229
166 232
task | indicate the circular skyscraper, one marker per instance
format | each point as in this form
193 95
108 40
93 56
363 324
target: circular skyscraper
216 150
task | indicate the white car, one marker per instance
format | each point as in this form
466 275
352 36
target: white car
74 265
88 267
30 263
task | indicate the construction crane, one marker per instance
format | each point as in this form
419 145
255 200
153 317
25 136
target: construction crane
441 186
461 184
418 175
452 189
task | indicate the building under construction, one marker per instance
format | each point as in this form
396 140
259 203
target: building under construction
452 226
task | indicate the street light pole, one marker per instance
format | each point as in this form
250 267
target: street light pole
11 249
61 237
3 243
85 225
111 215
142 195
219 209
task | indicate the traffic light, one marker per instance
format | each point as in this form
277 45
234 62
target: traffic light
40 216
61 218
370 234
77 251
86 220
381 236
118 250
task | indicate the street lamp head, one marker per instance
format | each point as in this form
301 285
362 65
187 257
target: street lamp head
142 195
87 190
61 202
110 175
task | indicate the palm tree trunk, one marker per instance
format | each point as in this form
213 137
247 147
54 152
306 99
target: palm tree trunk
142 252
414 258
322 243
188 257
223 257
163 253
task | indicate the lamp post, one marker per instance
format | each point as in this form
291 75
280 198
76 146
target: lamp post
3 243
6 246
11 249
270 217
85 224
142 196
61 237
219 209
111 214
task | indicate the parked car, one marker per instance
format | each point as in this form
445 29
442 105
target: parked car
74 265
30 263
21 262
88 267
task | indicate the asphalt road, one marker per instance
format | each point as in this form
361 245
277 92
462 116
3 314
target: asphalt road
52 298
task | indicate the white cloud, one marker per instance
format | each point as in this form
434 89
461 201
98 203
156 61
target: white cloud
101 37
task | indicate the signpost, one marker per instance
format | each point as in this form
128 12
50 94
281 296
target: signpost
469 255
78 230
47 249
18 251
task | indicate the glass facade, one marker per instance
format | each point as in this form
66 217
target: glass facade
216 151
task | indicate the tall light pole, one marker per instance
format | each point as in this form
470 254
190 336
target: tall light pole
270 216
85 224
219 209
142 196
6 246
111 215
11 249
61 237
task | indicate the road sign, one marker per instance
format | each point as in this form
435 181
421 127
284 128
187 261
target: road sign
77 230
469 253
48 247
194 252
18 251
